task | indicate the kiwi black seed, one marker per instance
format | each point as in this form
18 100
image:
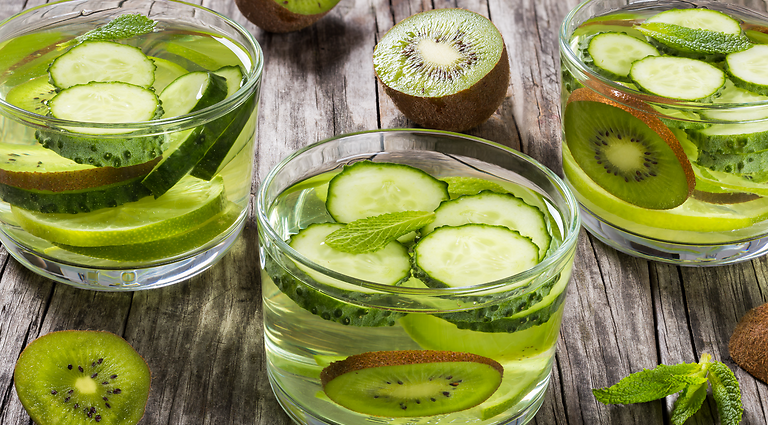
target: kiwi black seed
411 383
627 151
82 377
445 68
32 95
748 343
280 16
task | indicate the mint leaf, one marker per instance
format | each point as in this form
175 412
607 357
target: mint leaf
123 26
373 233
651 384
460 186
727 394
695 39
688 403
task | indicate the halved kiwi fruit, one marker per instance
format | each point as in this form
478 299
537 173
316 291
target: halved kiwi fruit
445 68
281 16
748 342
411 383
78 377
627 151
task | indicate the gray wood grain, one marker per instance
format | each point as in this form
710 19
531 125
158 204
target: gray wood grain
203 338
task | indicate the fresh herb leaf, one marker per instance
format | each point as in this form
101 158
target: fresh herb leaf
460 186
727 394
695 39
123 26
651 384
373 233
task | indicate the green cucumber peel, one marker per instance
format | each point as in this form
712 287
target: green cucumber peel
688 379
695 39
122 27
374 233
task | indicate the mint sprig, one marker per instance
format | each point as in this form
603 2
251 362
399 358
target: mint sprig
373 233
123 26
690 379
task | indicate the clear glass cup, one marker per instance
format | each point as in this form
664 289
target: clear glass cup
99 227
724 218
303 337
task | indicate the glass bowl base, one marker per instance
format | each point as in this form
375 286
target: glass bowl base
121 279
682 254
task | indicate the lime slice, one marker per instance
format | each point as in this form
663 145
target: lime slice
693 215
189 203
175 245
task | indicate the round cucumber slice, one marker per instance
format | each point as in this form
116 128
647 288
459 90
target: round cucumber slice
747 69
698 18
613 53
102 61
105 102
165 72
677 78
182 208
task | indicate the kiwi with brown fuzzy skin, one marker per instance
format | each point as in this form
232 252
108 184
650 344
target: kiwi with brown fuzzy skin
82 377
281 16
445 68
748 346
627 150
411 383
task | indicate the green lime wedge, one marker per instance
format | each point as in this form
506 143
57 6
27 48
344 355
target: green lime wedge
175 245
190 202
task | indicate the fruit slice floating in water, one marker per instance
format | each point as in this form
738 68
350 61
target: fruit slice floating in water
182 208
79 377
284 15
444 68
32 95
411 383
627 151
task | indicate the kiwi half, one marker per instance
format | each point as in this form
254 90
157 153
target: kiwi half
445 68
627 151
281 16
748 342
411 383
78 377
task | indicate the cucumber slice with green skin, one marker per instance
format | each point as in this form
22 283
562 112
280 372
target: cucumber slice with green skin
754 162
366 189
499 209
99 102
189 93
33 167
736 95
747 69
698 18
472 254
75 201
677 78
234 76
731 138
102 61
165 73
613 53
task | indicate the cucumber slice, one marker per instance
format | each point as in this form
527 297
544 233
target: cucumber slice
99 102
234 76
698 18
747 69
677 78
754 162
191 202
102 61
188 93
493 208
165 73
731 138
472 254
33 167
613 53
735 95
366 189
388 266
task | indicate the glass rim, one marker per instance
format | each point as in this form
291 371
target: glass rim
572 222
611 86
206 114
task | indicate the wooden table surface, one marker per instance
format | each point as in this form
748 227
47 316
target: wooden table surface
203 338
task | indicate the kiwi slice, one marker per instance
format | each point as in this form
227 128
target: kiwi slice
445 68
411 383
82 377
32 95
284 15
628 152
